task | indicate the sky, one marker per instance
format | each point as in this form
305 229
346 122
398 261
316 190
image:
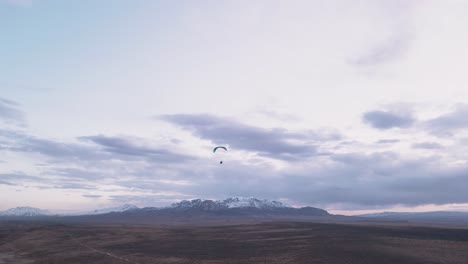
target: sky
351 106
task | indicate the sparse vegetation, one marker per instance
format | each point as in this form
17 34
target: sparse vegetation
275 242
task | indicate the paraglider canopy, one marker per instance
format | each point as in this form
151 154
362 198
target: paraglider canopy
219 147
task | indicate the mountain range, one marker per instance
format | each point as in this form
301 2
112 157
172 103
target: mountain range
230 206
230 210
24 211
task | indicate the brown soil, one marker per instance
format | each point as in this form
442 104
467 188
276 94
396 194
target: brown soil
277 242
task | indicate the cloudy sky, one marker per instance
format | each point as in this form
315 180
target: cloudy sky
351 106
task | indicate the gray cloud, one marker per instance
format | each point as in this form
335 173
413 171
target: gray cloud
74 185
58 150
387 51
393 46
446 124
274 143
124 146
66 184
387 141
349 181
55 150
92 196
103 148
341 181
43 182
18 178
383 180
388 119
84 174
427 145
345 180
10 113
6 183
148 200
83 165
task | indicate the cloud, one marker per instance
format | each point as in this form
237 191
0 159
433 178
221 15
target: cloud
340 180
43 182
390 45
427 145
6 183
63 184
386 51
157 200
85 165
10 113
18 178
446 124
343 179
278 116
75 185
103 148
84 174
346 181
92 196
388 119
274 143
136 148
376 180
387 141
58 151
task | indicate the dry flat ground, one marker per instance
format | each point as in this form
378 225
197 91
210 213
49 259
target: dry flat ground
276 242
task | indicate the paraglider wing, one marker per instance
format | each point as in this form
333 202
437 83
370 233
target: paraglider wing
219 147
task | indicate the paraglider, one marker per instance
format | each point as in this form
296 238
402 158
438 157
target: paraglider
219 147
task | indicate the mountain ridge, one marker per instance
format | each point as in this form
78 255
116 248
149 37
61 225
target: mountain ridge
25 211
238 202
232 207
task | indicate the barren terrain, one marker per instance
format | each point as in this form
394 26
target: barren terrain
275 242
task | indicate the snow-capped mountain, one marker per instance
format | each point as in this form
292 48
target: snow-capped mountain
252 202
24 211
231 208
123 208
210 205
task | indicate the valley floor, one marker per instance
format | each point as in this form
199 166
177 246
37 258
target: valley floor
275 242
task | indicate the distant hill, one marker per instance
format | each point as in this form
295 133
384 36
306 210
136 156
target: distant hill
421 216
